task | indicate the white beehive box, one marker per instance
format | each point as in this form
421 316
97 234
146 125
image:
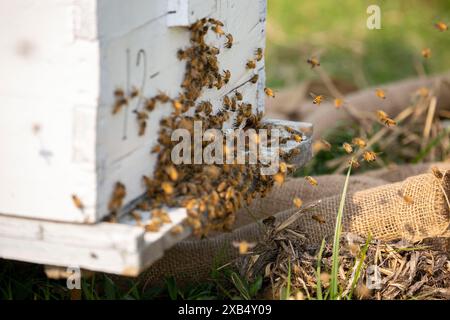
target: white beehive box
61 61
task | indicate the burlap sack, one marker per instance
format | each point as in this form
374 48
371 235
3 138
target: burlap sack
380 210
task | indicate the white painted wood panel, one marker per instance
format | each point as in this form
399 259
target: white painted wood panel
61 61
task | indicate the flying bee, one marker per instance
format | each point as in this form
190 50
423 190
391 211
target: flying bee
317 99
369 156
360 142
319 218
311 181
77 202
383 117
269 92
254 79
259 54
238 96
226 76
441 26
313 62
347 147
251 64
229 42
321 145
297 202
283 167
380 93
243 246
426 53
338 102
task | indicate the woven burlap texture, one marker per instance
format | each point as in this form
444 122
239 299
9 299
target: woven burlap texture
373 206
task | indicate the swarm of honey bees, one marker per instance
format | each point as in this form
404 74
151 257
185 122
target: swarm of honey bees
210 193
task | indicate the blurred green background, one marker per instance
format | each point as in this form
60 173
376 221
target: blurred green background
336 31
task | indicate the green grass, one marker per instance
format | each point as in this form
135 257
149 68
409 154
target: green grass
348 50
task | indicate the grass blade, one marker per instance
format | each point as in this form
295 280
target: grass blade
359 267
337 236
318 272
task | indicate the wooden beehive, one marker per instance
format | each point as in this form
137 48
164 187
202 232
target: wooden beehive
61 62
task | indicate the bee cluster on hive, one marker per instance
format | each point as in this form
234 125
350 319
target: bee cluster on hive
211 193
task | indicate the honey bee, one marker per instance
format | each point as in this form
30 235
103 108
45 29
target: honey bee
238 96
283 167
380 93
218 29
338 102
313 62
118 195
150 104
251 64
347 147
297 138
426 53
119 103
162 97
219 82
259 54
167 187
423 92
134 92
297 202
119 93
321 145
161 215
437 173
279 178
361 143
243 246
369 156
254 79
177 230
156 149
317 99
441 26
311 181
77 202
383 117
227 102
136 216
182 55
269 92
142 127
226 76
319 218
229 42
153 225
172 173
